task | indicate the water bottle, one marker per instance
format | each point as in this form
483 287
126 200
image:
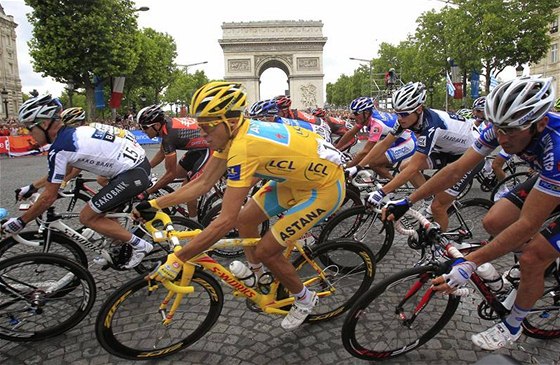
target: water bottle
91 235
491 277
3 213
242 272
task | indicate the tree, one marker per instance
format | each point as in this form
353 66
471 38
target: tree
184 85
75 40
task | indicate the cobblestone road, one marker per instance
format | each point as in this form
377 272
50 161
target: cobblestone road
244 337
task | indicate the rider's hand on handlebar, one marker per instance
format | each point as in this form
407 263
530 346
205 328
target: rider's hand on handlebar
375 198
145 210
352 171
169 270
13 226
460 273
25 192
395 209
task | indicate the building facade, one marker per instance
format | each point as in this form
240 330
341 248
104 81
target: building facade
550 64
10 83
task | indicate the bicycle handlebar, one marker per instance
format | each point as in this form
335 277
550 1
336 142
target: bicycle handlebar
365 179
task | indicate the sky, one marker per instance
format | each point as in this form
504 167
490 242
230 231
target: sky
353 29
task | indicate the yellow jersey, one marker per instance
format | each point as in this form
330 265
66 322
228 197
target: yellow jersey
282 153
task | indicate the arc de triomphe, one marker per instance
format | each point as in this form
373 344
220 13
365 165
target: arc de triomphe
295 47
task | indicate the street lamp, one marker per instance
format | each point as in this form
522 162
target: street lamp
431 91
142 8
177 107
370 73
143 99
4 93
519 70
192 64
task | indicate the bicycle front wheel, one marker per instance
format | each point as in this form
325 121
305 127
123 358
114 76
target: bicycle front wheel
129 324
348 268
397 315
360 224
42 295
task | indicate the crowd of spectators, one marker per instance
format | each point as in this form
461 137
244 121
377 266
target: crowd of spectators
12 127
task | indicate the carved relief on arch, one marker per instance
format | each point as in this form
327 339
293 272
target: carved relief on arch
239 65
285 58
309 95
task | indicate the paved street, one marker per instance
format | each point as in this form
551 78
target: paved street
244 337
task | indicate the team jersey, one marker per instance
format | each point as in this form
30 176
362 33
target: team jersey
338 126
441 133
542 154
181 134
321 129
282 153
98 151
380 124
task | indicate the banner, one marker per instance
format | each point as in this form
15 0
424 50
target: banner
143 138
458 90
15 146
99 96
450 86
475 85
117 94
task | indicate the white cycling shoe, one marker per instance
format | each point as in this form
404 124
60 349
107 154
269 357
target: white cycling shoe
137 255
495 337
299 312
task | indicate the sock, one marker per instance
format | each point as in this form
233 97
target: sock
517 315
303 296
137 243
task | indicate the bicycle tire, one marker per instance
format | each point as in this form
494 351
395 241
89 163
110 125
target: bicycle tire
159 252
374 328
29 311
358 273
59 244
360 224
137 311
510 181
543 320
232 252
471 212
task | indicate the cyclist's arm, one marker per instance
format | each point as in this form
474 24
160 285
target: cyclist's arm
71 173
158 157
218 228
347 137
40 183
448 176
378 150
361 154
536 209
213 171
45 200
416 163
169 175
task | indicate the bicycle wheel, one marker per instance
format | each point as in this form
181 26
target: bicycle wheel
397 315
129 324
543 320
42 295
59 244
467 216
160 251
349 269
510 182
363 225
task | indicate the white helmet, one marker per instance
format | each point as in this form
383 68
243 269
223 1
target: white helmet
521 101
409 97
41 107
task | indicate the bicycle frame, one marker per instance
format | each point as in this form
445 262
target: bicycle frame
266 302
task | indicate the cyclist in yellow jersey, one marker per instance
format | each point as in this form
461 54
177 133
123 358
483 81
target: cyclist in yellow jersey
306 182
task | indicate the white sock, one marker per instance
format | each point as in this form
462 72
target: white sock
137 243
304 296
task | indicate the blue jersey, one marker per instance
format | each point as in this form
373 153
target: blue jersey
441 133
542 154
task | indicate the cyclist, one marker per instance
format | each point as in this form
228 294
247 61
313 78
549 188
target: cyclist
380 125
306 182
284 103
522 125
441 139
176 134
338 127
121 159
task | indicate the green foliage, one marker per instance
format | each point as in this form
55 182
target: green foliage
184 85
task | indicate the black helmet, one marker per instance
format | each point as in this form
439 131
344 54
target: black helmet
150 115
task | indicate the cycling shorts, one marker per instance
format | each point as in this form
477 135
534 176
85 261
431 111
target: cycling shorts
439 160
122 188
303 208
193 162
401 151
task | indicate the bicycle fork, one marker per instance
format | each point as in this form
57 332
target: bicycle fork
421 304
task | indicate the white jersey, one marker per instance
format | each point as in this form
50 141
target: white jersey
98 151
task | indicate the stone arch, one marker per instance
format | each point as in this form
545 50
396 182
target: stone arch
295 47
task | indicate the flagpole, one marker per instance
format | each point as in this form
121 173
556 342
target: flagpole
446 95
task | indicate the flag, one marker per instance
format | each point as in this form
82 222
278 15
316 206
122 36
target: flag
99 96
117 94
493 82
475 84
450 87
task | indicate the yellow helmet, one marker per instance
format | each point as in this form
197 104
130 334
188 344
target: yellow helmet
73 116
218 99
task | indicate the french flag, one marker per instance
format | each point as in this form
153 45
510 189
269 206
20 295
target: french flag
117 94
